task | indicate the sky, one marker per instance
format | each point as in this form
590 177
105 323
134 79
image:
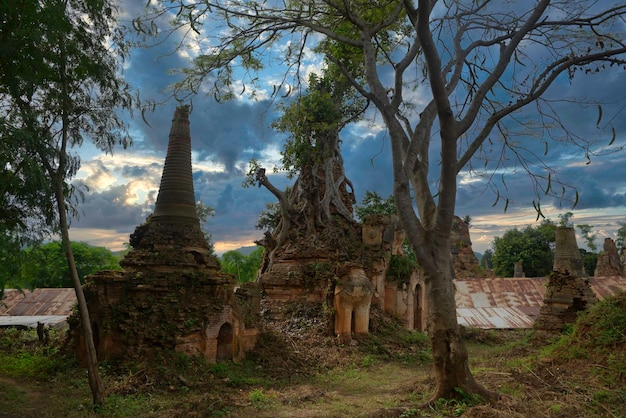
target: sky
121 187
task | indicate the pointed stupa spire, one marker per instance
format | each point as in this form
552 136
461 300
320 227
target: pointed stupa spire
176 195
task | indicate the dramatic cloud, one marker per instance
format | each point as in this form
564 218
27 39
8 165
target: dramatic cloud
225 136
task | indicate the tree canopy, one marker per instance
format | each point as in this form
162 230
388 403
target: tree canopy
243 267
530 246
60 84
372 203
46 265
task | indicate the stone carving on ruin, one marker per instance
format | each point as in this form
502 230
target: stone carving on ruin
568 290
609 263
171 294
352 299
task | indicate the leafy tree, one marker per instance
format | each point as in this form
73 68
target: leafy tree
588 236
269 218
590 261
372 203
23 181
547 231
11 256
46 265
206 212
487 259
477 65
60 84
565 219
243 267
528 246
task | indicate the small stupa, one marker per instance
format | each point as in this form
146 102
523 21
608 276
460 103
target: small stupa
171 294
568 290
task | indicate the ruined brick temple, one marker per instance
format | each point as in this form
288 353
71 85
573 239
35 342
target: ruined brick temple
171 294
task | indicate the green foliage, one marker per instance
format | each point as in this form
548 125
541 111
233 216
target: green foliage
238 374
590 238
400 268
206 212
46 266
590 261
373 204
60 84
11 256
314 120
530 246
269 218
603 325
487 259
23 356
260 399
621 236
565 219
459 404
243 267
599 334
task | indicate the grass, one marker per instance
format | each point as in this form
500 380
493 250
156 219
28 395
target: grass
386 374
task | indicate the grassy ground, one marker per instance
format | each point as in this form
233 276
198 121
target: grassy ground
298 371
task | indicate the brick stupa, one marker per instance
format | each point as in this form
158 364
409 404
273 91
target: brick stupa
568 290
171 294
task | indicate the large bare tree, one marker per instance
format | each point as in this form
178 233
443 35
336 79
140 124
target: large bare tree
449 78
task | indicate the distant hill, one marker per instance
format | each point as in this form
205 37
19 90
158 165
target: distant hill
247 250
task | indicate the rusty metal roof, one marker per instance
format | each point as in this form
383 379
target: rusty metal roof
40 305
481 303
607 286
513 302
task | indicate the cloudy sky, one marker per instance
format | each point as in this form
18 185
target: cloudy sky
225 136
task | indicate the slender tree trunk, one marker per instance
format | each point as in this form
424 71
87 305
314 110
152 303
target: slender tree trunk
95 382
58 175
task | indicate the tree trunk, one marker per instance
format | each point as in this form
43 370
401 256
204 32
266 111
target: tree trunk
432 250
95 382
58 176
452 374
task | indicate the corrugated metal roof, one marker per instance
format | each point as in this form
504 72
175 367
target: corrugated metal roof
606 286
494 318
481 303
513 302
39 305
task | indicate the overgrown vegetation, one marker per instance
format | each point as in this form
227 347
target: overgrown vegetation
299 369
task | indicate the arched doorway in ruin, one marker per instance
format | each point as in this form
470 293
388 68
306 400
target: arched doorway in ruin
417 311
225 343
